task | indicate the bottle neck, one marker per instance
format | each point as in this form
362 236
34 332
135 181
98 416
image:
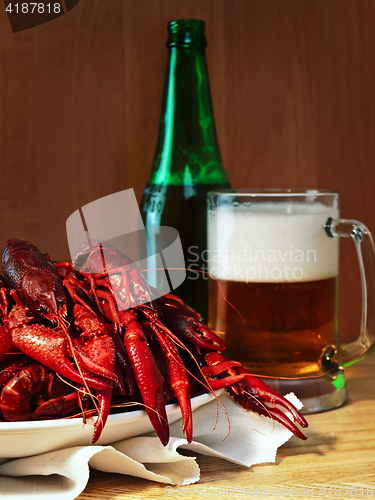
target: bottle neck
187 150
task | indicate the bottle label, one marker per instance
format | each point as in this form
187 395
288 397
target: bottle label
153 199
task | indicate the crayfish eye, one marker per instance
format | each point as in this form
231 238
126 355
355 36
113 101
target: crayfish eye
41 309
60 300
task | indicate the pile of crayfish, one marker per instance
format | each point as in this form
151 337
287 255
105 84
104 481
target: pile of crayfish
83 336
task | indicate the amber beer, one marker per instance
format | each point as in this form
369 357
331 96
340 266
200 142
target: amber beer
273 286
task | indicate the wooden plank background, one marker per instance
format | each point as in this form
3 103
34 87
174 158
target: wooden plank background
293 85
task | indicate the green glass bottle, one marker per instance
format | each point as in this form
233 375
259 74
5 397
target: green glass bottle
187 162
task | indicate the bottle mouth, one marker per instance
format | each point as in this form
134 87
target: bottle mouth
186 33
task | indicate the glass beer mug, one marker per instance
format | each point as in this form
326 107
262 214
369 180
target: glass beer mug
273 276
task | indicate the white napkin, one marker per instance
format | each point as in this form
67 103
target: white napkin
237 435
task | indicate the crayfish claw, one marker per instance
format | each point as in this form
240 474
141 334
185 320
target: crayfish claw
104 398
176 374
251 392
147 375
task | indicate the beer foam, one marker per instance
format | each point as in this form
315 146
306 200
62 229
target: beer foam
271 242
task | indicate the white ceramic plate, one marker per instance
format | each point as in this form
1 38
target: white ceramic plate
23 439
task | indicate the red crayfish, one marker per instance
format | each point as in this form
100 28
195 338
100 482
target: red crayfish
94 322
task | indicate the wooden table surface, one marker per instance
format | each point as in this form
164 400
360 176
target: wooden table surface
339 455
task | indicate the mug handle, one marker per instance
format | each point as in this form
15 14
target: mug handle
363 241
